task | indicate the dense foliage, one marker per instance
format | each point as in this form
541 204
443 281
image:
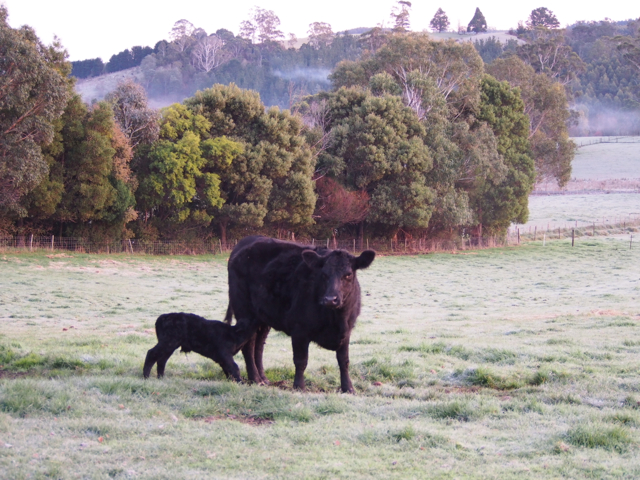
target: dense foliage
387 132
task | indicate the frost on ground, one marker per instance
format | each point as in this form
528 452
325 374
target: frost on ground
517 362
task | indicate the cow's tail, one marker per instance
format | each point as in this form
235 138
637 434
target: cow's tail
228 317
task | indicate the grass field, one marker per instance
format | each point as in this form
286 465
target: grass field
505 363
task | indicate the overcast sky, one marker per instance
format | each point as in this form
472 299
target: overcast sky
90 29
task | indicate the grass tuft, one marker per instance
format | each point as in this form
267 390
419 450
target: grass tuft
595 435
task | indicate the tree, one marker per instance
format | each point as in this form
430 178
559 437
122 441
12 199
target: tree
547 52
267 23
337 206
269 184
417 63
138 122
542 17
320 35
208 53
400 15
180 34
34 90
440 21
546 106
248 30
377 148
180 173
500 200
478 24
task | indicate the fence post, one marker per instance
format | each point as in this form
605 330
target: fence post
52 243
518 230
31 243
573 234
535 230
354 246
630 241
544 239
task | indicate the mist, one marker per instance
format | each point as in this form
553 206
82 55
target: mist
596 119
319 75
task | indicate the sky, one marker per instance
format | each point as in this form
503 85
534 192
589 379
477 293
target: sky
90 29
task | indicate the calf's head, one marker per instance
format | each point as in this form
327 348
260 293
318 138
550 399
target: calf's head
336 274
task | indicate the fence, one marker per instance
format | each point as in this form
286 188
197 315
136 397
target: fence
617 225
515 235
213 246
583 142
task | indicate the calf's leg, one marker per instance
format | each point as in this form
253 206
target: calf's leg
230 368
152 357
300 359
342 354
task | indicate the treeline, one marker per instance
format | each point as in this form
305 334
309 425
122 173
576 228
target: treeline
121 61
412 138
597 62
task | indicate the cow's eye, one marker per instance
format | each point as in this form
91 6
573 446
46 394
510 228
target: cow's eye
348 276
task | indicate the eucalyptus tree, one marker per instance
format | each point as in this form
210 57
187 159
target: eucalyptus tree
34 90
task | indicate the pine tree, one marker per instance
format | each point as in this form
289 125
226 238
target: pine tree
478 23
440 21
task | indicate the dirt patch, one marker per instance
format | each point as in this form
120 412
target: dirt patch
239 418
13 375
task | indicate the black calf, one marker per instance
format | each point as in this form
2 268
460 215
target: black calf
210 338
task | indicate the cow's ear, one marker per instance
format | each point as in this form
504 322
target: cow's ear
365 259
312 259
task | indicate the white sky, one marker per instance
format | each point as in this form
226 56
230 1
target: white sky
89 28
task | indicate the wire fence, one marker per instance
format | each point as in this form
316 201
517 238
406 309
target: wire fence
408 246
215 246
586 141
617 225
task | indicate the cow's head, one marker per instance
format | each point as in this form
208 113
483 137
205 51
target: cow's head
337 273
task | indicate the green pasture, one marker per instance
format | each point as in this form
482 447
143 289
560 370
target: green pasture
506 363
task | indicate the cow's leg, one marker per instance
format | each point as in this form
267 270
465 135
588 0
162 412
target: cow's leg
261 339
248 352
300 359
342 354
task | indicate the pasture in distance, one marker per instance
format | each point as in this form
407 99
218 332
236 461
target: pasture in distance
516 362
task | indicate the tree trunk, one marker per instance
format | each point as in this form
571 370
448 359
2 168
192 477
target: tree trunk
223 234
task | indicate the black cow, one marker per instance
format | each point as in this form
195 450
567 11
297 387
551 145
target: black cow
310 293
210 338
